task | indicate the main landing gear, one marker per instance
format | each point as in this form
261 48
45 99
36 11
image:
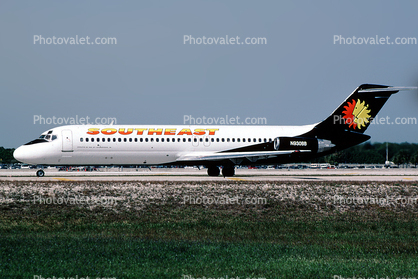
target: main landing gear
226 171
213 171
40 173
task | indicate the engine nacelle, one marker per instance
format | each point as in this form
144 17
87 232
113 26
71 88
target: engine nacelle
299 143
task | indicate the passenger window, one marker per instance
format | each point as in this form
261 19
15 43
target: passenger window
190 139
259 140
195 139
81 139
201 139
162 140
141 139
146 139
265 140
227 139
87 139
212 140
238 140
119 140
184 139
243 139
152 139
136 139
108 139
124 139
233 139
157 139
103 139
114 139
217 139
223 140
130 139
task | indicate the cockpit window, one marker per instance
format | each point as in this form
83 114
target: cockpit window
44 138
36 141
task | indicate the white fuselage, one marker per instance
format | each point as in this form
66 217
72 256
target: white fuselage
144 144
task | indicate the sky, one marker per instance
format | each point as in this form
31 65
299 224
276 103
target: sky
150 75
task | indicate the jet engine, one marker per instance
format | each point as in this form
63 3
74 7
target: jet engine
300 143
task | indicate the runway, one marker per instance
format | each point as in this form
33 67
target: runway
194 174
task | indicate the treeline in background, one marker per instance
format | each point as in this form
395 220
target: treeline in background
375 153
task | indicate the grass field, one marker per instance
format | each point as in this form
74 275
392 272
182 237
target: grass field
213 230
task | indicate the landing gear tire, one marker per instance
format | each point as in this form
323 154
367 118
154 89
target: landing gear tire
40 173
213 171
228 171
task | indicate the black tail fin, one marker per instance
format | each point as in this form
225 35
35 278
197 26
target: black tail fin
358 110
346 125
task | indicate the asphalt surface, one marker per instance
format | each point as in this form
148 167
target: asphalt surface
194 174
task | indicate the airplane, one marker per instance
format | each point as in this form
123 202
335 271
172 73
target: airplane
223 146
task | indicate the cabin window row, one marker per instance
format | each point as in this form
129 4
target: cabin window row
174 140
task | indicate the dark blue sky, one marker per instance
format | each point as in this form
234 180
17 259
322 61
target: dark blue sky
151 77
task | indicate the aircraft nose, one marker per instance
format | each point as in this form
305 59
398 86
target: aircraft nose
24 154
19 154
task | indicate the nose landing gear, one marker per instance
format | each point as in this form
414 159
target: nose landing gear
40 173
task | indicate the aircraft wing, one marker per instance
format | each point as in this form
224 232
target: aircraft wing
235 157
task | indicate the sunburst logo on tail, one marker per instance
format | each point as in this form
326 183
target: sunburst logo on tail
356 114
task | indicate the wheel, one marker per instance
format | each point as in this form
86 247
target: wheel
40 173
228 171
213 171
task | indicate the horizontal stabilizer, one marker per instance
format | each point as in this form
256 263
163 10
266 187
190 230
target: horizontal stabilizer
387 89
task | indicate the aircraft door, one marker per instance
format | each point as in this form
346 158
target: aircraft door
67 141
